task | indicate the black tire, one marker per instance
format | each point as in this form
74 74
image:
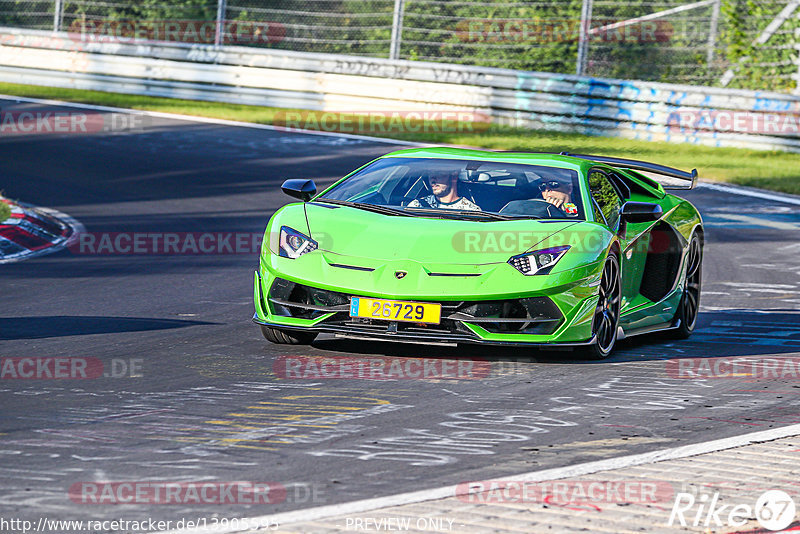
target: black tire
689 307
606 316
284 337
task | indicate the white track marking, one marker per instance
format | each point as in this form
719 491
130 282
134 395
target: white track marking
730 189
758 221
752 192
757 286
209 120
366 505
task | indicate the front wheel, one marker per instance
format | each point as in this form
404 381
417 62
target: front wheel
285 337
689 307
606 315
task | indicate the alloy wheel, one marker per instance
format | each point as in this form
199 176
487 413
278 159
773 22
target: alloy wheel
691 300
606 316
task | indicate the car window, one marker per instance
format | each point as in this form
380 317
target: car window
606 196
598 215
511 189
372 179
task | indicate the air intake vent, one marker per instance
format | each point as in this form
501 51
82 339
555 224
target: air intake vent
351 267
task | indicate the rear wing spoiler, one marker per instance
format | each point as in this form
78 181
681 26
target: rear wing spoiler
654 168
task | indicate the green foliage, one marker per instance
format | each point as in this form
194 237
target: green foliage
734 30
33 14
526 36
605 196
759 66
141 10
353 27
5 210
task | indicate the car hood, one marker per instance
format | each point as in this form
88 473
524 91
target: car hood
357 233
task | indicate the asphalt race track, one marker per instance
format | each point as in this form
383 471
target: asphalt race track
204 403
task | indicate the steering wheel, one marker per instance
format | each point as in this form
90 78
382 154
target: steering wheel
535 207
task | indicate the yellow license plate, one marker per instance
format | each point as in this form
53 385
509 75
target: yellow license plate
395 310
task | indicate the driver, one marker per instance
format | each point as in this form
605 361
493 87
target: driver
444 185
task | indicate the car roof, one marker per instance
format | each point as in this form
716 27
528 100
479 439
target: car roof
552 160
580 164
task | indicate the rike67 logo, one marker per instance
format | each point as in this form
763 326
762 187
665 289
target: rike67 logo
774 509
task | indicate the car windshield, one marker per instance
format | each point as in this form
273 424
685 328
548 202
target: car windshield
450 188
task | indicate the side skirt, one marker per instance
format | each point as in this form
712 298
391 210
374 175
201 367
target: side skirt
664 327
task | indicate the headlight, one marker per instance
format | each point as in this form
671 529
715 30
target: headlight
539 262
293 244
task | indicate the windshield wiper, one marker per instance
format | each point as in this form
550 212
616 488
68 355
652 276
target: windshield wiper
385 210
380 209
464 213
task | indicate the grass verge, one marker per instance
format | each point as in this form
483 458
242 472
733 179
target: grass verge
775 170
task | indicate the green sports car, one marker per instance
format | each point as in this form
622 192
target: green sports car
447 245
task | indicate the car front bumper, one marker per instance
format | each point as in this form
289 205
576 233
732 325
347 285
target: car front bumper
574 307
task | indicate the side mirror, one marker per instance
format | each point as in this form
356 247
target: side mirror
639 212
300 188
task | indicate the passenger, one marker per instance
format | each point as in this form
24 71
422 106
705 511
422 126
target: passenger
557 192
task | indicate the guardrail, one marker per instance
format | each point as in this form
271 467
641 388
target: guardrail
534 100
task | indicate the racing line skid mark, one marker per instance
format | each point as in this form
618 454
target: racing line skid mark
724 421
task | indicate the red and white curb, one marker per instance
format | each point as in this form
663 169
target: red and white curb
33 231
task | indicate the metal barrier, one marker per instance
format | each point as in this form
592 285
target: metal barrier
533 100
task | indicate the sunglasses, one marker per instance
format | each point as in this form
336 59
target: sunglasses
552 184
